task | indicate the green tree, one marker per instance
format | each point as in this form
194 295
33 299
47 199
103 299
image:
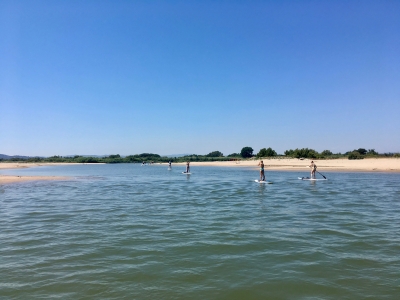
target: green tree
266 152
271 152
215 154
372 152
326 153
149 155
289 152
246 152
362 151
262 152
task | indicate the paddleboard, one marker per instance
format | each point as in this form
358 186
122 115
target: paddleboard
186 173
266 182
311 179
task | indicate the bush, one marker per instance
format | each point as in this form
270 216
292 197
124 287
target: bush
234 155
355 155
215 154
304 152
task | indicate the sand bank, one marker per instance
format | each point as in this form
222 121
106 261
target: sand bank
293 164
7 165
4 179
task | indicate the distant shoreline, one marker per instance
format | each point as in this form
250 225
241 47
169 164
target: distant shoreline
372 165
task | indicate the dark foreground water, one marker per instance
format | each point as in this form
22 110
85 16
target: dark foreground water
132 232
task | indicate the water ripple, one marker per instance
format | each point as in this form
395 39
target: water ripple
121 231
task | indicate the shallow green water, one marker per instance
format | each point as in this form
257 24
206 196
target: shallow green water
132 232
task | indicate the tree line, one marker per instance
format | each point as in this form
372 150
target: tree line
360 153
246 152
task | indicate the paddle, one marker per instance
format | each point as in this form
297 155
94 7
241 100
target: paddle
319 173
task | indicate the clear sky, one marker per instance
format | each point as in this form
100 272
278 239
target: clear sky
170 77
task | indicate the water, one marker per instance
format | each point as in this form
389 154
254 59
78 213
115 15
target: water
130 232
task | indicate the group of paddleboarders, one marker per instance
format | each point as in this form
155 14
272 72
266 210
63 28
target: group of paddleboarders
313 167
187 166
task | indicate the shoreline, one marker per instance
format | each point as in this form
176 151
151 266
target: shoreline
370 165
6 179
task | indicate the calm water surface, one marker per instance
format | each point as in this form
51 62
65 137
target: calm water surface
130 232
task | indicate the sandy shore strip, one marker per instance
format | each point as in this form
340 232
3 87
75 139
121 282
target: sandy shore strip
293 164
21 165
5 179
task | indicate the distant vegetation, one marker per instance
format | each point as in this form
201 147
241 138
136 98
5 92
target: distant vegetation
360 153
245 153
302 153
215 154
266 152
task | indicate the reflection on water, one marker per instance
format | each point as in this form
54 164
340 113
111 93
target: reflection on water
123 231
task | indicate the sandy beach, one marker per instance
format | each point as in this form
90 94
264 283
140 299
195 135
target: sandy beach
333 165
4 179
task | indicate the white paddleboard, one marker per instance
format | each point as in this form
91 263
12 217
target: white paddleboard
311 179
186 173
262 181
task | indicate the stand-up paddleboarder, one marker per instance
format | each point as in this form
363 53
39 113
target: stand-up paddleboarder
313 167
262 174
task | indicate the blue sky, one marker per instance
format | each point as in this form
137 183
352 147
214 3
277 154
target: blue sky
167 77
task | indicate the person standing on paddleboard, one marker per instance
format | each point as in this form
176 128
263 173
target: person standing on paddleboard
313 167
169 164
262 174
187 167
